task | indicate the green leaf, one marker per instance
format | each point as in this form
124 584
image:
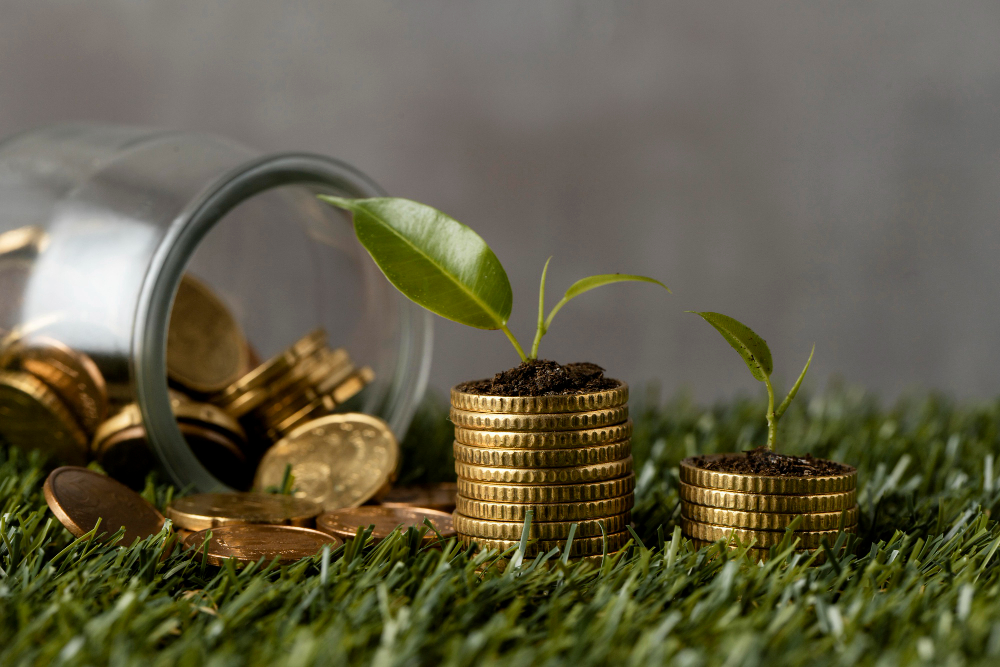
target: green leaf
795 388
589 283
433 259
750 346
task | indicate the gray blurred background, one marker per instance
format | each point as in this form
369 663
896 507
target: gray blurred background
825 172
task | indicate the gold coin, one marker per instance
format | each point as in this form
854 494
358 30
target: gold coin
205 348
755 502
338 461
353 385
544 440
583 546
563 421
564 493
345 523
440 496
727 481
765 520
758 555
575 511
121 447
542 458
33 417
126 456
809 539
208 416
555 530
254 385
80 497
597 472
321 407
72 375
248 543
208 510
588 402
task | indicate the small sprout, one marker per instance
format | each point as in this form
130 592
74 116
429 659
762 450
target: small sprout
757 356
446 267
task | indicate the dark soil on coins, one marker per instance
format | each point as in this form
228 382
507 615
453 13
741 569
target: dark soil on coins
543 378
762 461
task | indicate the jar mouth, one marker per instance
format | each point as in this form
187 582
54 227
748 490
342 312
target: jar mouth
168 264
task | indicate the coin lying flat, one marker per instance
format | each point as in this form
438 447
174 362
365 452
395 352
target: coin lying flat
248 543
727 481
73 376
584 546
208 510
33 417
573 511
756 502
597 472
345 523
80 497
560 421
586 402
439 496
544 440
766 520
541 458
544 530
337 461
561 493
762 538
206 351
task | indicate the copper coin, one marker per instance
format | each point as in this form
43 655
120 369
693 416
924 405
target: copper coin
207 510
71 374
432 496
79 497
206 351
248 543
345 523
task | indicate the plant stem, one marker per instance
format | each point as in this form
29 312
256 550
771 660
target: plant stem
517 346
541 328
772 420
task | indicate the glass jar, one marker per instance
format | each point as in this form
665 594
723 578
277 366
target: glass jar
109 219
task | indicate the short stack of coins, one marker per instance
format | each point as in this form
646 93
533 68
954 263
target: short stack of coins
305 382
760 508
566 457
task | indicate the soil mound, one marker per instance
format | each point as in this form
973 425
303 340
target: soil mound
543 378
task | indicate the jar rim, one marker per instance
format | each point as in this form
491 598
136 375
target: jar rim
167 266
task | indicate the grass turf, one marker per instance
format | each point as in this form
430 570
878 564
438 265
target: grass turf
920 586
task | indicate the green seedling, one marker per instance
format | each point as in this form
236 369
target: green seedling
446 267
757 356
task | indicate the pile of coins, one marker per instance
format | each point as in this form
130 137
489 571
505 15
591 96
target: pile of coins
759 508
244 527
229 407
565 457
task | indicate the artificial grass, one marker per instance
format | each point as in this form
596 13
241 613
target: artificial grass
920 586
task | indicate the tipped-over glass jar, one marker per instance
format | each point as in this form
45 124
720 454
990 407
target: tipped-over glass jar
129 256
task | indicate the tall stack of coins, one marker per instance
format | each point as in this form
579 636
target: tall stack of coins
566 457
717 505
